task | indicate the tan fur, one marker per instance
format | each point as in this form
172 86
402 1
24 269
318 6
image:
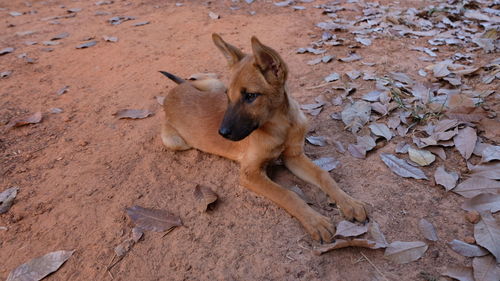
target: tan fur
193 118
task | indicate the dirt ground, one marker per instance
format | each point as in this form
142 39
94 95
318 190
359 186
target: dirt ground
78 170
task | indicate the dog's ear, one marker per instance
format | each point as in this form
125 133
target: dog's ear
269 62
232 54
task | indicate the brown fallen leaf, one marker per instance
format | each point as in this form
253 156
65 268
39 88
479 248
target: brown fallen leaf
439 151
465 141
490 152
486 268
375 234
489 170
428 230
25 120
466 249
327 163
487 234
448 180
357 151
380 129
401 167
405 252
133 113
153 219
37 268
349 229
206 197
461 273
421 157
366 141
316 140
483 202
445 124
356 115
477 185
341 243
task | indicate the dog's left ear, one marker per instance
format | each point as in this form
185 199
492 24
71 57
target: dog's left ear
269 62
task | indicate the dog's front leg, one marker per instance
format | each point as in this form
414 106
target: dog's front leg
318 226
305 169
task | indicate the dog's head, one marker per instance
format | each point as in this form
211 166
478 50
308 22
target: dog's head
256 90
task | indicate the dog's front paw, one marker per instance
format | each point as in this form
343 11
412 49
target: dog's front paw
352 209
319 227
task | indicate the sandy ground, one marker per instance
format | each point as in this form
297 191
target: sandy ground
79 169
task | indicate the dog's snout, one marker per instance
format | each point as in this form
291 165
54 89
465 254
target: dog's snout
224 131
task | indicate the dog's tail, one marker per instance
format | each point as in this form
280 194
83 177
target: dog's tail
172 77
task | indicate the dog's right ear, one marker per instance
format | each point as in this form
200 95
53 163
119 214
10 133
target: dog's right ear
232 54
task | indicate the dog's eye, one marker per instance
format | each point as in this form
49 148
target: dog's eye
249 97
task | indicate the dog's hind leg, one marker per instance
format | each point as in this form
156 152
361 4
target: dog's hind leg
171 138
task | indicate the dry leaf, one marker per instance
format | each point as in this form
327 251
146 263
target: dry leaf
356 115
152 219
460 273
7 199
25 120
339 146
401 168
466 249
160 99
465 141
421 157
37 268
477 185
486 269
439 151
86 45
316 140
332 77
491 152
448 180
327 163
441 69
124 247
372 96
380 108
428 230
490 171
206 197
133 113
357 151
376 234
445 124
367 142
405 252
483 202
341 243
137 234
380 129
351 58
402 147
402 77
487 234
349 229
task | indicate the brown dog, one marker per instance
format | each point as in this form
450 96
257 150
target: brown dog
254 122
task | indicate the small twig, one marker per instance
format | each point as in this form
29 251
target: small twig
168 231
374 266
303 247
320 85
290 258
110 274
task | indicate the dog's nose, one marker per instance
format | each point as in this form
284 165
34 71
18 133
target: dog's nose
224 131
